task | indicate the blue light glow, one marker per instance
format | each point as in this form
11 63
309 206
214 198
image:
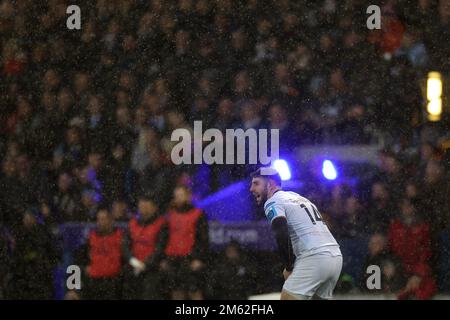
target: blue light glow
329 170
283 169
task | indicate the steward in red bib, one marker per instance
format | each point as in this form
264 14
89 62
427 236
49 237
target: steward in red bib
187 248
144 235
105 253
183 231
103 258
147 238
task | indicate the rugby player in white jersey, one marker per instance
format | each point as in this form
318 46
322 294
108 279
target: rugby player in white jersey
312 258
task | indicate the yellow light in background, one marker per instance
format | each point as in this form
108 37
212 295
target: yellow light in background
434 86
435 107
434 96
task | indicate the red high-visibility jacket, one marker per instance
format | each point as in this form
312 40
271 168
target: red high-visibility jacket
143 238
106 254
182 232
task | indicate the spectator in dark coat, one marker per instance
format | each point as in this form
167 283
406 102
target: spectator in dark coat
65 200
392 276
10 195
381 208
5 261
233 274
34 257
353 223
158 177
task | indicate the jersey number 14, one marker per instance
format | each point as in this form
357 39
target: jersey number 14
317 216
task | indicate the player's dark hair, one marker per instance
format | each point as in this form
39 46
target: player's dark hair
267 173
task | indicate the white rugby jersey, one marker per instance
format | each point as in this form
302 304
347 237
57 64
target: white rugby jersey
308 233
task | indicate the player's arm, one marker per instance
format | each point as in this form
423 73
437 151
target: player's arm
277 216
280 230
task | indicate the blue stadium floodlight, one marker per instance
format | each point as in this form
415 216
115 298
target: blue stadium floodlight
329 170
283 169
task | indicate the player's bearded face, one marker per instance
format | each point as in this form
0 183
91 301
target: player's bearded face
260 190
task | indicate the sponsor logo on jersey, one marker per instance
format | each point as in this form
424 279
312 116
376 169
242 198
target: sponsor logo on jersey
269 204
271 214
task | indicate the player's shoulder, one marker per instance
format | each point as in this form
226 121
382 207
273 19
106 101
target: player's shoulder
274 206
279 197
287 197
296 196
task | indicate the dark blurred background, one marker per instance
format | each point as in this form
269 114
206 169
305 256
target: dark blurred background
86 119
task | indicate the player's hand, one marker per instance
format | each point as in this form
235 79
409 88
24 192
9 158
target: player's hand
286 274
196 265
